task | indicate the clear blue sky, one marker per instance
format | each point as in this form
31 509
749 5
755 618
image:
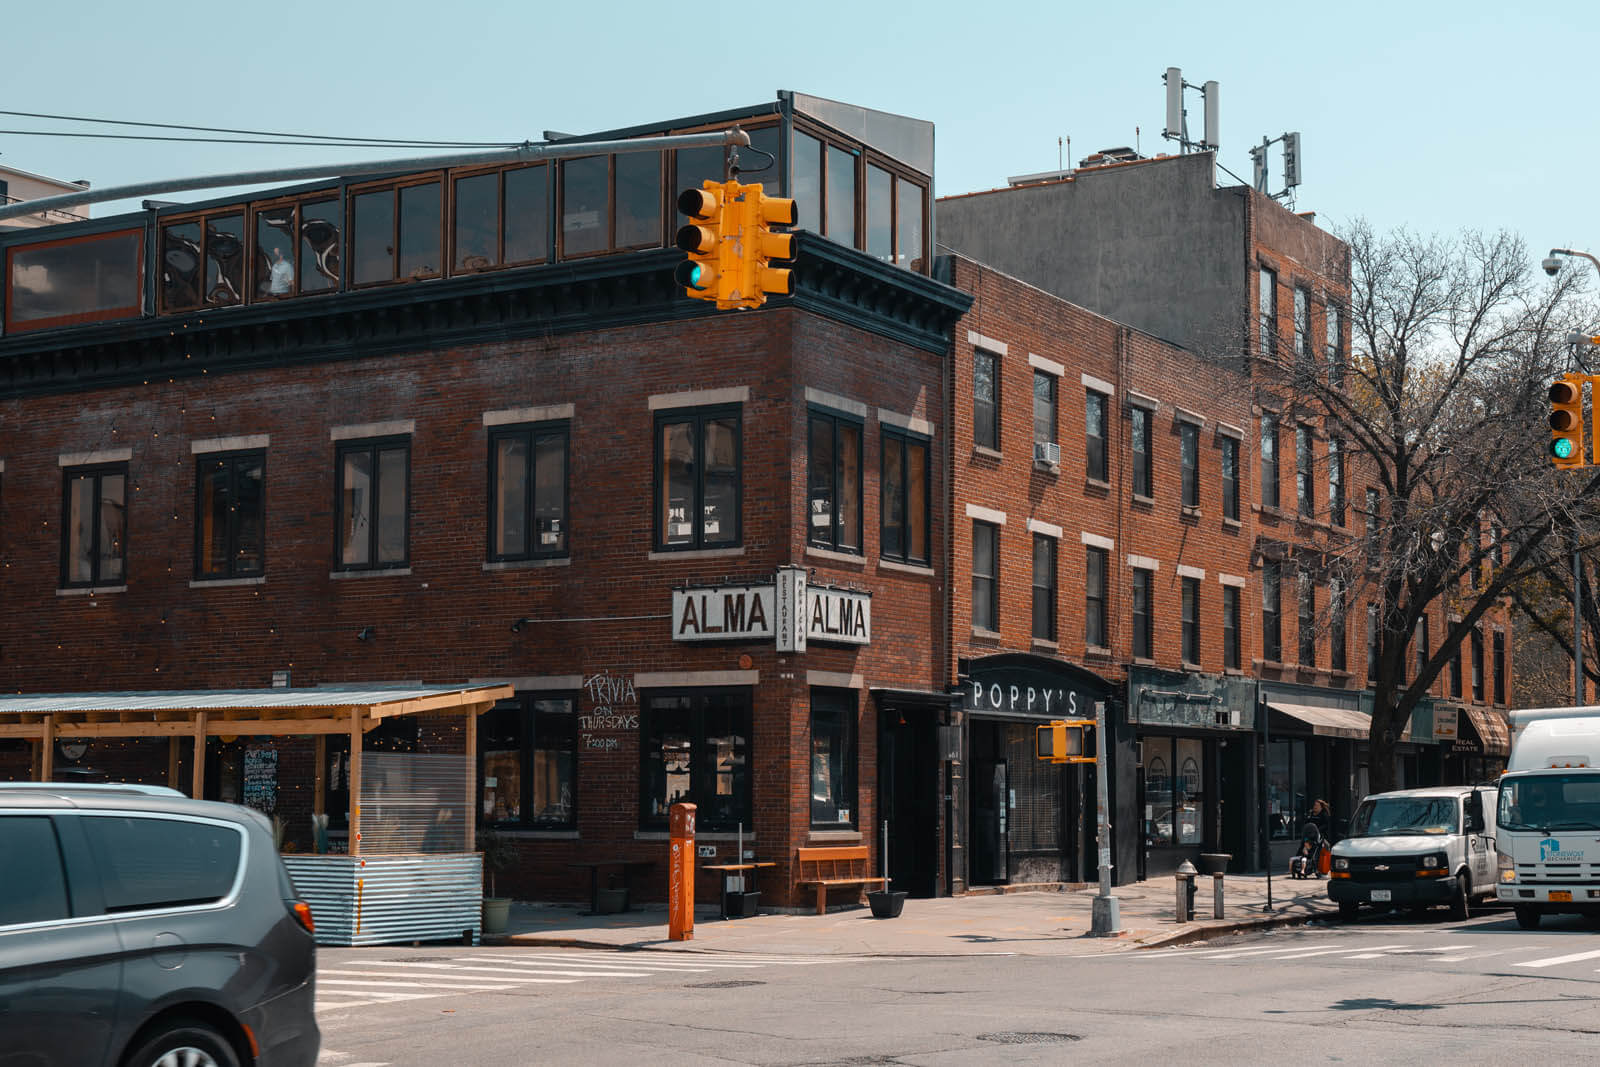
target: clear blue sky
1436 116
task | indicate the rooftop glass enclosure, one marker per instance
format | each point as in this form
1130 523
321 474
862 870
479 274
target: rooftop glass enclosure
861 178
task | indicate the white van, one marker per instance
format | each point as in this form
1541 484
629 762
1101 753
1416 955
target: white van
1549 841
1417 847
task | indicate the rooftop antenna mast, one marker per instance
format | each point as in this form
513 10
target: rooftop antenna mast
1291 166
1177 127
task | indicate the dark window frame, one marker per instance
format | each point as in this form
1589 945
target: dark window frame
531 433
523 706
1456 679
1272 611
1476 639
699 416
1333 326
986 413
989 578
1267 310
1338 608
1190 613
835 419
373 446
1306 620
234 460
1140 433
203 249
1097 466
895 437
1336 499
1230 484
1498 652
698 770
452 222
1189 462
1232 620
1271 461
1142 599
844 706
255 276
1044 595
1305 471
77 318
395 187
97 471
1050 400
1097 566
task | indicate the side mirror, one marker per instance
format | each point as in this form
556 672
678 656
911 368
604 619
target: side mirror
1474 820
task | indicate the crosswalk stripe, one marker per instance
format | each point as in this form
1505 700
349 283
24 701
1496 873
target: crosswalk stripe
1555 960
1302 954
386 983
653 964
1471 956
1229 954
456 979
1437 948
506 973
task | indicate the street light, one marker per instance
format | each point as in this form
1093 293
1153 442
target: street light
1552 265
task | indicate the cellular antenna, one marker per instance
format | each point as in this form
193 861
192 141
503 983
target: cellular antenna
1291 166
1177 127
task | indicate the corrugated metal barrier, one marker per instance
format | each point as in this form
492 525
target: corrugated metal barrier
376 900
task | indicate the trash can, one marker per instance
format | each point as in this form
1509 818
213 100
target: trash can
740 903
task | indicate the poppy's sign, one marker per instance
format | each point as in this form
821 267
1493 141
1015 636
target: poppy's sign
728 613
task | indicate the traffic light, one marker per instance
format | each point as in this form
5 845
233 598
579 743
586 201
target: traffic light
702 274
1065 741
763 212
1566 421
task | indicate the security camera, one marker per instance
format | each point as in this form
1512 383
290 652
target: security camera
1551 265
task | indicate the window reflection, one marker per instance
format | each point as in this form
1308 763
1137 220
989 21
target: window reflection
180 266
477 204
806 168
372 223
421 219
319 246
584 205
275 242
910 199
638 199
527 222
880 214
841 196
225 260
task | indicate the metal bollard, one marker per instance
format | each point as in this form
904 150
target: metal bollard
1185 884
1216 894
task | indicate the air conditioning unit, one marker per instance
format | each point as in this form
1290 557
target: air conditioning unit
1047 453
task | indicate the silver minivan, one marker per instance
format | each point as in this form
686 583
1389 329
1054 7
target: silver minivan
1417 847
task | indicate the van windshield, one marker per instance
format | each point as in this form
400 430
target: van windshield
1550 802
1405 815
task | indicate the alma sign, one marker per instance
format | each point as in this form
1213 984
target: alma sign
791 612
730 613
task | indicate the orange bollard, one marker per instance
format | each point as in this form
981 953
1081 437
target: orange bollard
680 873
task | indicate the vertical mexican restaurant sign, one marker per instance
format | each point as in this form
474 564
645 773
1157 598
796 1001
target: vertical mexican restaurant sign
791 612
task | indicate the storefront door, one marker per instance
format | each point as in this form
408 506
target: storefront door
908 776
990 813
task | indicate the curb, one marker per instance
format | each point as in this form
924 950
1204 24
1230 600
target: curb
1207 933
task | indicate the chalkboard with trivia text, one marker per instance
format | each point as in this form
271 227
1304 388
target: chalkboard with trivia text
261 779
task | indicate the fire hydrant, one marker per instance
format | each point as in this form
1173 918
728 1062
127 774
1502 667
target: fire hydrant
1186 889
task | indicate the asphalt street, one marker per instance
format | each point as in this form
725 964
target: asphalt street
1389 988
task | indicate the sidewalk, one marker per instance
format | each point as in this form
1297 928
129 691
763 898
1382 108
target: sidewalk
1044 923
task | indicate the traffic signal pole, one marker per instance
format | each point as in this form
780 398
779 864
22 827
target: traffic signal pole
1106 916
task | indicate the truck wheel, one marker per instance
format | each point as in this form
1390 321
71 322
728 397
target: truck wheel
1348 910
1461 906
1527 916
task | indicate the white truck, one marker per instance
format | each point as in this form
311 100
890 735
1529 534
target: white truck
1548 838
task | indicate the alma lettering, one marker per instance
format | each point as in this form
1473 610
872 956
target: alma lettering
844 616
741 613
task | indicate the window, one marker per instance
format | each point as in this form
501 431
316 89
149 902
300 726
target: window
94 507
910 201
1143 614
502 218
162 863
297 247
1499 666
880 213
695 749
1230 479
1044 407
1143 476
985 576
1269 460
397 233
36 891
1095 433
1336 624
1306 624
373 518
1230 628
1044 587
1477 666
834 482
1335 348
1372 516
894 218
805 184
528 754
697 478
1094 606
230 515
1191 620
74 281
1302 328
1189 448
610 202
840 204
1372 643
202 262
1455 673
986 399
528 477
1271 610
833 758
1420 638
1305 489
1336 481
1497 544
1267 314
904 517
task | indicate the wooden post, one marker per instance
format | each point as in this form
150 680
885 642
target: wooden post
172 763
319 792
355 781
47 749
472 777
199 756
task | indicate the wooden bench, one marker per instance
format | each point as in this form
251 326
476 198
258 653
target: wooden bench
824 868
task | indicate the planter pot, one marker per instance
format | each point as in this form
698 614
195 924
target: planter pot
740 904
611 901
886 903
496 910
1215 862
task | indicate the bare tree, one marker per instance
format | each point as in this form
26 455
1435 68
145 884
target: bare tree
1442 411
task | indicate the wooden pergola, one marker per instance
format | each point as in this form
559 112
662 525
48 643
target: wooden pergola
198 714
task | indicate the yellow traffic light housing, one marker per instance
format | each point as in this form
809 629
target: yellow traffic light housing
702 274
1566 422
766 212
1065 741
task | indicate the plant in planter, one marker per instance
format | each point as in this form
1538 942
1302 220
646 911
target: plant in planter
499 853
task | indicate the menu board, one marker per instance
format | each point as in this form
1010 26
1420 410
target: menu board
261 779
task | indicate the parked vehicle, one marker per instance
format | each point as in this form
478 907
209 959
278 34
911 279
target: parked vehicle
1418 847
1549 840
139 927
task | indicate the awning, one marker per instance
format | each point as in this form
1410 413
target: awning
1333 722
1490 726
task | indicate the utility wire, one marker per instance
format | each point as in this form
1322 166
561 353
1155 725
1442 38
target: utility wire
254 133
365 143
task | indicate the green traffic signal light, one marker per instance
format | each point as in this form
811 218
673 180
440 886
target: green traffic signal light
1562 448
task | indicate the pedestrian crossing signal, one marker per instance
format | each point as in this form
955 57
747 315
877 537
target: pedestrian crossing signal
1065 741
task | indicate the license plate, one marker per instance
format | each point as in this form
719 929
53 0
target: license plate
1380 895
1561 896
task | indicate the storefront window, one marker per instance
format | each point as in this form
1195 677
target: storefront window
833 758
1156 758
695 748
1287 804
1188 790
529 764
